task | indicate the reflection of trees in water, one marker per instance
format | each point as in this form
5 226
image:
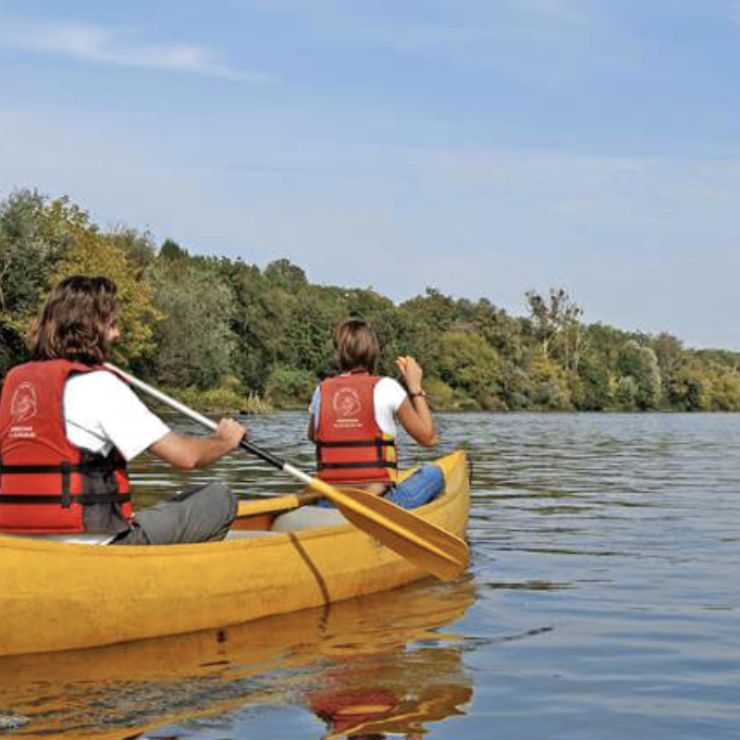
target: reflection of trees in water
383 645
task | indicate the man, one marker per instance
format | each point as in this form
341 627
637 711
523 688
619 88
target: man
68 426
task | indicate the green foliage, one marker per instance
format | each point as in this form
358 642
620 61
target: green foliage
439 394
467 362
194 339
171 250
223 400
88 252
229 335
30 251
288 386
593 392
641 365
138 248
626 393
284 274
550 387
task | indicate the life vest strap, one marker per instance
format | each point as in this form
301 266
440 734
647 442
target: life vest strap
368 443
83 467
80 498
342 466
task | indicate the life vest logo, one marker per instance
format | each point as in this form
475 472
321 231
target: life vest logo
24 405
347 403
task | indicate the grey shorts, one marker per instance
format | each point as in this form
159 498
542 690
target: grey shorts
202 514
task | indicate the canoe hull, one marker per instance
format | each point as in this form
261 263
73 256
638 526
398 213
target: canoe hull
62 596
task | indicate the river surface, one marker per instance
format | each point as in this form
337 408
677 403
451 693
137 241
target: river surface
602 603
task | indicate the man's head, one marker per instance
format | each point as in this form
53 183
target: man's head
357 345
77 321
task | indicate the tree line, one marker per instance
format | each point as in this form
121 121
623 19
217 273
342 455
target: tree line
223 332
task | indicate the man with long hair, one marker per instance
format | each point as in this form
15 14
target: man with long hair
68 426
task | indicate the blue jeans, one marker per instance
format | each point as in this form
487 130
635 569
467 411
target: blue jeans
416 490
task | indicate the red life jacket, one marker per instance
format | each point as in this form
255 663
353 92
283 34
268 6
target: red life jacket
350 446
45 481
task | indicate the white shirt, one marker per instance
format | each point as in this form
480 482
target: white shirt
102 412
388 395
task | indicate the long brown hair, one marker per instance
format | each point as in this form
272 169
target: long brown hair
357 345
74 321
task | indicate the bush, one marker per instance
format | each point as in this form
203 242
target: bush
441 396
223 400
289 387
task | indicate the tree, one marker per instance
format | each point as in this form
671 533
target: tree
91 253
594 392
641 364
286 275
467 362
557 318
30 251
138 247
194 340
171 250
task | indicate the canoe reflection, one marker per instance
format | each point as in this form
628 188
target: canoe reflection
399 697
330 661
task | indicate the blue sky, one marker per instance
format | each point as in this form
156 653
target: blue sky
482 147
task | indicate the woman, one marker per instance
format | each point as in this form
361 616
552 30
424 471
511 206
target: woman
353 421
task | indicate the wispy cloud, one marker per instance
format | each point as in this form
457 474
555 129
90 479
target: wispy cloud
120 48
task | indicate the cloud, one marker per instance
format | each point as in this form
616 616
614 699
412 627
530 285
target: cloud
114 47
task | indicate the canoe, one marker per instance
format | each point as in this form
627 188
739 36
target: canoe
60 596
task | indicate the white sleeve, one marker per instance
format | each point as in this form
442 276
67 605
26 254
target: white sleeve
388 397
315 407
101 411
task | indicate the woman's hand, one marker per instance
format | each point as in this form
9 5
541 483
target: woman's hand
411 372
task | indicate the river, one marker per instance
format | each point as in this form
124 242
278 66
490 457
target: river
602 603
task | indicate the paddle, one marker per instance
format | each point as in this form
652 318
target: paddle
425 544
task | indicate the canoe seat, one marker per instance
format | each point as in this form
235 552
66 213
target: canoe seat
248 534
308 517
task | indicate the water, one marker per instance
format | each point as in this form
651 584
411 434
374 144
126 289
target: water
601 603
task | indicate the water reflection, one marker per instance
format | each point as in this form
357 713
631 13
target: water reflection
385 663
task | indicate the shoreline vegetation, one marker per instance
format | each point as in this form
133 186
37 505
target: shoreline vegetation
225 336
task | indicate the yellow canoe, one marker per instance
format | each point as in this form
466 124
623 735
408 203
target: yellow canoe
59 596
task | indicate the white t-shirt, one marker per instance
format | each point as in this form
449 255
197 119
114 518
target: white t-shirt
102 412
388 395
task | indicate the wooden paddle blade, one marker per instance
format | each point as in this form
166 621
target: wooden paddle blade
275 504
430 547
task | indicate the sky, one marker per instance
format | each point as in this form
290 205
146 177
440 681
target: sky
484 148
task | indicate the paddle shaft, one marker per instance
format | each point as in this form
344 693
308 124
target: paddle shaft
268 457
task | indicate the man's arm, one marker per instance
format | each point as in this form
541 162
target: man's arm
187 453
